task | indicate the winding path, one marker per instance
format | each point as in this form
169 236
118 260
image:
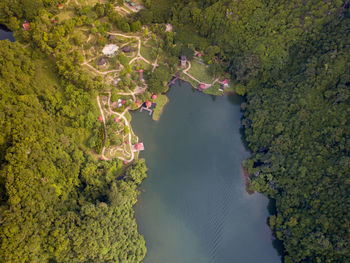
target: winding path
138 56
207 85
120 116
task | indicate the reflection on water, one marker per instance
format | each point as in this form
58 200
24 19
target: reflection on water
194 207
5 33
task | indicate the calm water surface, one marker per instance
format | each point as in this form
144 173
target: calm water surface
194 207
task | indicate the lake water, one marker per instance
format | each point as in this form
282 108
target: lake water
6 34
194 207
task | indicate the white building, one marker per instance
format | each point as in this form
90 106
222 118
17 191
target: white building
110 50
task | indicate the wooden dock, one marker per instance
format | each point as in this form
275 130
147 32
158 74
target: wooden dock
147 109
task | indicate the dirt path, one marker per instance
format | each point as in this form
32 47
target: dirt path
138 56
123 10
120 116
207 85
104 125
101 72
155 64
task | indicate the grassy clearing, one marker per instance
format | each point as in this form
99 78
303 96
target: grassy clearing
150 43
200 72
149 53
214 90
161 101
188 79
67 14
144 65
45 78
87 2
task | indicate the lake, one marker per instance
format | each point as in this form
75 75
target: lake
6 34
194 207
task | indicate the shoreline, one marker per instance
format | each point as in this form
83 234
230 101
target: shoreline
246 177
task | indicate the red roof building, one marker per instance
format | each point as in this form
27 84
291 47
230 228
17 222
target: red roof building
125 162
148 103
26 26
201 86
154 96
138 103
199 54
100 119
116 119
123 101
102 158
141 74
225 82
60 6
139 147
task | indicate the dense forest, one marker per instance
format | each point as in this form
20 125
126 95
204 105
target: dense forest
57 203
290 59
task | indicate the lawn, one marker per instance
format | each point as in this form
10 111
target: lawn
214 90
143 64
64 15
200 72
191 81
87 2
161 101
149 53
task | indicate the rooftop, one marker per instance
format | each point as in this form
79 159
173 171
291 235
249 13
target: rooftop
110 50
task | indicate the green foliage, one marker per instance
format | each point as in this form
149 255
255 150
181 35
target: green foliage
158 80
56 203
135 26
296 123
100 139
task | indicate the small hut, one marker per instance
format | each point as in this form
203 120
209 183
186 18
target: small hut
183 61
154 96
102 62
126 49
201 87
138 146
60 6
116 81
141 74
26 26
148 104
225 83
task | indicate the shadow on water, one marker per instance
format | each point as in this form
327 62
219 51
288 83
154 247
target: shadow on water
271 207
4 28
5 33
278 245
